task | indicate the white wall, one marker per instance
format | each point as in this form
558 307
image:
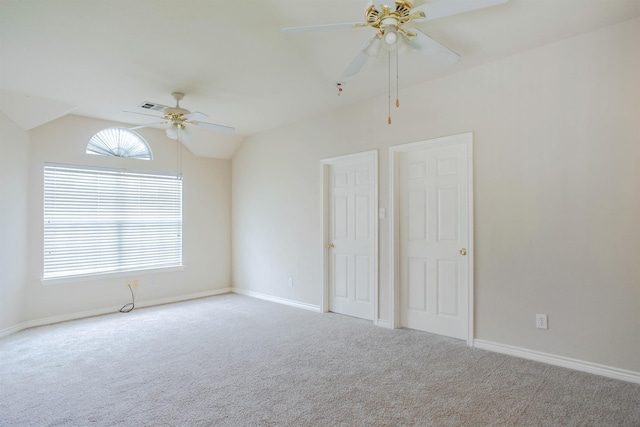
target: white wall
557 199
14 151
206 222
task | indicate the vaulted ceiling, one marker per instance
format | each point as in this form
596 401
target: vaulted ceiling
101 58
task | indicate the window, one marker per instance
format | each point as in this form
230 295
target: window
100 221
119 142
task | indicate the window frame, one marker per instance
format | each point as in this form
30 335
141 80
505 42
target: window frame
120 269
105 141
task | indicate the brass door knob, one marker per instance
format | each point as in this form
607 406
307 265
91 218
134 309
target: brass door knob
330 246
463 251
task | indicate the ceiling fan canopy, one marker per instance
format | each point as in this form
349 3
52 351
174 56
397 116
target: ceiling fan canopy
176 113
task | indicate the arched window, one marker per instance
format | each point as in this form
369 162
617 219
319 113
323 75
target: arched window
119 142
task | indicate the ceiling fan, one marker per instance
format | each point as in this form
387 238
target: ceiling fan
177 119
389 17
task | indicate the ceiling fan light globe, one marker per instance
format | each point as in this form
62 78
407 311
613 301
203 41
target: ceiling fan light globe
390 37
172 132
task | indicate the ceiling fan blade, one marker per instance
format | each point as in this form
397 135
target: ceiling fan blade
379 4
322 27
196 115
425 44
144 114
361 57
148 125
206 125
441 8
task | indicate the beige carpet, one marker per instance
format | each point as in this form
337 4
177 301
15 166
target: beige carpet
232 360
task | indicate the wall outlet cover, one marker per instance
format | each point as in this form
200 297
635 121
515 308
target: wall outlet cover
542 321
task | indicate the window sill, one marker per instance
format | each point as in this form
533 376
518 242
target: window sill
132 274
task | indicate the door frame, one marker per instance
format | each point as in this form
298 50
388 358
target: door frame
394 230
325 165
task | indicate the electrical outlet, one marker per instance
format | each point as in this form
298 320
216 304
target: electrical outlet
291 282
541 321
132 283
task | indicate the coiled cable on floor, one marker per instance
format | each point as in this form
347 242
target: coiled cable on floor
128 307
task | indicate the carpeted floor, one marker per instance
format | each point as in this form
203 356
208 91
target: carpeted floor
232 360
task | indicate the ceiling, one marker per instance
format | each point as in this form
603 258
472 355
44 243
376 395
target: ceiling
101 58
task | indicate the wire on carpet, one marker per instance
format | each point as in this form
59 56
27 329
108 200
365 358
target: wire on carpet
128 307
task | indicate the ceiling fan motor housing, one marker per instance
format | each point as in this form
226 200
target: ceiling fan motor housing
375 18
175 113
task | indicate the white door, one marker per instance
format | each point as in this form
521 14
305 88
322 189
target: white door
351 244
434 239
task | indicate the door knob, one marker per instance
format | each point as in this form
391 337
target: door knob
463 251
330 246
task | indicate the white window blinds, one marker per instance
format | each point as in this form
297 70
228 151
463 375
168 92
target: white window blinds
100 221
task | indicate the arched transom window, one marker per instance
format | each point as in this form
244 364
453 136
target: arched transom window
119 142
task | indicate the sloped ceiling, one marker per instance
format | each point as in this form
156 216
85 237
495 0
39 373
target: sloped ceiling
104 57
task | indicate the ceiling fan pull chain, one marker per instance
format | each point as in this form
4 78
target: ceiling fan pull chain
397 84
179 154
389 96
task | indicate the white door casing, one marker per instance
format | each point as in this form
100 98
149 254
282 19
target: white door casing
350 235
432 254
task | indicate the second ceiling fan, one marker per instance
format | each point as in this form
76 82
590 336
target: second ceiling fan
176 119
389 17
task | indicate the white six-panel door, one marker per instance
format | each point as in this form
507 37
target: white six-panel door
433 238
351 253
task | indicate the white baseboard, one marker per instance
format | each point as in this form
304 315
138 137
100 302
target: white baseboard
186 297
12 329
107 310
383 324
279 300
565 362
